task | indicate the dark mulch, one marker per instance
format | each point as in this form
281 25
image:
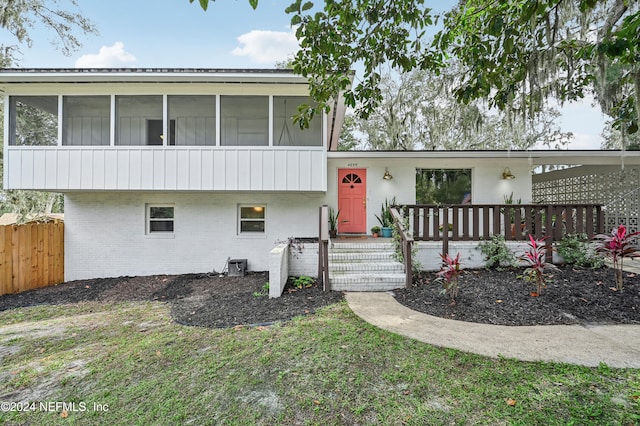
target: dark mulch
195 299
572 296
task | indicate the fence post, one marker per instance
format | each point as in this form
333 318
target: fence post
323 247
550 232
445 231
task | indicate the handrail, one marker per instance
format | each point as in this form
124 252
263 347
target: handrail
406 241
323 247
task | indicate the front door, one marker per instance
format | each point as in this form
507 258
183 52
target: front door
352 201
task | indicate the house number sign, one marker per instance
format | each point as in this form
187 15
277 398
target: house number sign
352 165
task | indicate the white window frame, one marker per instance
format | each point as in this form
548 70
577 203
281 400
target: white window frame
149 219
240 220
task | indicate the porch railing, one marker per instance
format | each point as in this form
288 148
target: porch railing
515 222
406 245
323 247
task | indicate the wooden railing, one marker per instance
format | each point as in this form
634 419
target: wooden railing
323 247
475 222
406 244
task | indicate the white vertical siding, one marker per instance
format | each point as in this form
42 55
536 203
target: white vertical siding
166 168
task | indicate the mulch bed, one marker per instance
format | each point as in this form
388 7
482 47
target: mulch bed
195 299
573 296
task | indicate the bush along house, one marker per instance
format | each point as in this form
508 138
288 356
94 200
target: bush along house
169 171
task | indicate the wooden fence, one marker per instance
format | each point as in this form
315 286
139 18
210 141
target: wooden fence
31 256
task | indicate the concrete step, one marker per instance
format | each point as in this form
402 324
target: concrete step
384 246
364 267
369 256
366 282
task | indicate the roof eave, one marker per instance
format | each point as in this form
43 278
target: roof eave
536 157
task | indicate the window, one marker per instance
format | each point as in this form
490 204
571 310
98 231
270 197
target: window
160 219
244 120
288 133
351 178
252 219
33 120
443 186
86 120
193 120
137 118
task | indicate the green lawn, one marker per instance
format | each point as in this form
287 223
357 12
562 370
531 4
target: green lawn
130 364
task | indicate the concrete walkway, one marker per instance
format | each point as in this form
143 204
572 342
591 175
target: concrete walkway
618 346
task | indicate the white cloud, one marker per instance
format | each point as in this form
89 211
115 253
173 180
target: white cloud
266 47
109 57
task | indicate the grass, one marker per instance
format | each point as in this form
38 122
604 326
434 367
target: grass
138 367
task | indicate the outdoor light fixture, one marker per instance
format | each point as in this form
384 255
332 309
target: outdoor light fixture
387 175
507 175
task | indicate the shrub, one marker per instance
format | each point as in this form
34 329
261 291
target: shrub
576 249
617 246
303 282
448 274
496 252
398 254
535 257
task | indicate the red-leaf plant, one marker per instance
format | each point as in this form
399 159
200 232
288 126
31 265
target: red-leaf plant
448 274
617 246
535 257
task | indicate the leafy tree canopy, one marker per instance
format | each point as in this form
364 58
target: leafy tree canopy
18 17
518 53
418 111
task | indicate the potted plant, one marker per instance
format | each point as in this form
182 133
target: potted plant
375 231
333 222
385 218
508 200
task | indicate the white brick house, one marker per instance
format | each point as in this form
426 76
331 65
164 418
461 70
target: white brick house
177 170
168 171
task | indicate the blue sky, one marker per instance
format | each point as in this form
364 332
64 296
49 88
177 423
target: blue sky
230 34
173 33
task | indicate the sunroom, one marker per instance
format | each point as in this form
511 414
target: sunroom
213 130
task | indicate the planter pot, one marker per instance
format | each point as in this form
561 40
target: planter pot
333 234
374 235
387 232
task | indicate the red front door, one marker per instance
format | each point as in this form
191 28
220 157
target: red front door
352 201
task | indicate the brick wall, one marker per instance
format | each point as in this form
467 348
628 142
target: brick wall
105 232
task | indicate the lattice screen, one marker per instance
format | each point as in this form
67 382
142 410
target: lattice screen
618 190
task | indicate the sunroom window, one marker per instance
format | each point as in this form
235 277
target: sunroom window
288 133
193 120
86 120
139 120
33 120
252 219
244 120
